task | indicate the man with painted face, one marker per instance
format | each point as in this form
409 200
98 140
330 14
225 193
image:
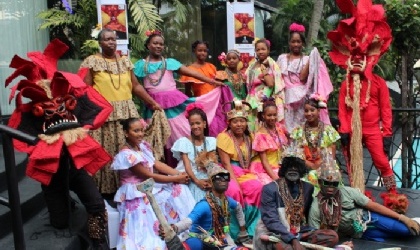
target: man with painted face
284 209
208 222
352 214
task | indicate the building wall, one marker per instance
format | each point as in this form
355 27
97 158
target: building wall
20 34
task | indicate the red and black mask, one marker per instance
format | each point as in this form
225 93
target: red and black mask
57 113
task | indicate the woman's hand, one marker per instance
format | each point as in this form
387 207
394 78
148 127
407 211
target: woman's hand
203 184
216 83
156 106
182 178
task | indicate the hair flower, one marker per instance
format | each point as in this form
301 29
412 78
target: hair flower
191 107
222 59
322 102
152 32
295 27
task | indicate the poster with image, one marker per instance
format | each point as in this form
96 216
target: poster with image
114 17
244 28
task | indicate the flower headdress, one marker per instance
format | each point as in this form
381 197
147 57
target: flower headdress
239 108
153 32
191 107
322 102
264 99
295 27
256 39
223 55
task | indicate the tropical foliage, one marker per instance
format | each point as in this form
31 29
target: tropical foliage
73 24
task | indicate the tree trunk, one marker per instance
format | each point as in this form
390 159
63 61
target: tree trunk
315 21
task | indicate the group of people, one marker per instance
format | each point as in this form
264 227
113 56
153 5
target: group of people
268 124
277 128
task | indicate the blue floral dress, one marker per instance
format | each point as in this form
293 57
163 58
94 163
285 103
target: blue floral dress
138 223
184 145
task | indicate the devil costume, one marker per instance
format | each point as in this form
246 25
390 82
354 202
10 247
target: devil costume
61 111
364 105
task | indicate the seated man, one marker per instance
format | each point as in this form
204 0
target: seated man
350 213
209 221
284 209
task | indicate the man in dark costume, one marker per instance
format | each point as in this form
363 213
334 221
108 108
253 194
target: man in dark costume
61 110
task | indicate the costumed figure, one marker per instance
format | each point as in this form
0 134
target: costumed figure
157 75
234 146
232 76
364 104
61 111
316 138
263 78
302 75
136 163
199 88
269 142
352 214
112 76
285 205
186 150
208 222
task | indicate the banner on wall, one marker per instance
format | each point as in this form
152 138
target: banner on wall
241 28
112 14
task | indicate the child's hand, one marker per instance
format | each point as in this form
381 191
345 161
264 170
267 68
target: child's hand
182 178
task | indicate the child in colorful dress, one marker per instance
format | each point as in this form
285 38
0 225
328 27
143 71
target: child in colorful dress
315 137
269 142
232 76
135 163
263 78
185 150
199 88
157 75
302 75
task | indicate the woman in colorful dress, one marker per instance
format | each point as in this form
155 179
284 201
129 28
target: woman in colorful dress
156 73
232 76
302 76
199 88
269 142
263 78
315 137
234 147
135 162
112 76
185 150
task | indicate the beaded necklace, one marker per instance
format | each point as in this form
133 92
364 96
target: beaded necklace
274 133
236 83
315 142
161 69
243 160
220 215
109 73
293 206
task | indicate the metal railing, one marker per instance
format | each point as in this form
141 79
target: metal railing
13 202
405 146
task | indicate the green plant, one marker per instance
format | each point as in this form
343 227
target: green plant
74 26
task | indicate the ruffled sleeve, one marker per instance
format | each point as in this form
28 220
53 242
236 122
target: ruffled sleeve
171 64
128 158
330 135
225 143
263 142
182 145
99 64
221 75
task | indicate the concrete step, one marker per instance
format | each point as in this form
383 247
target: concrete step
40 235
31 200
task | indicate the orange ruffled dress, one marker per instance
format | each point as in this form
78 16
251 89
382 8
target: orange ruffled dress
199 88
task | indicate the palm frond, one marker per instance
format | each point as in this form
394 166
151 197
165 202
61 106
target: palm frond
89 47
54 17
145 15
180 11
